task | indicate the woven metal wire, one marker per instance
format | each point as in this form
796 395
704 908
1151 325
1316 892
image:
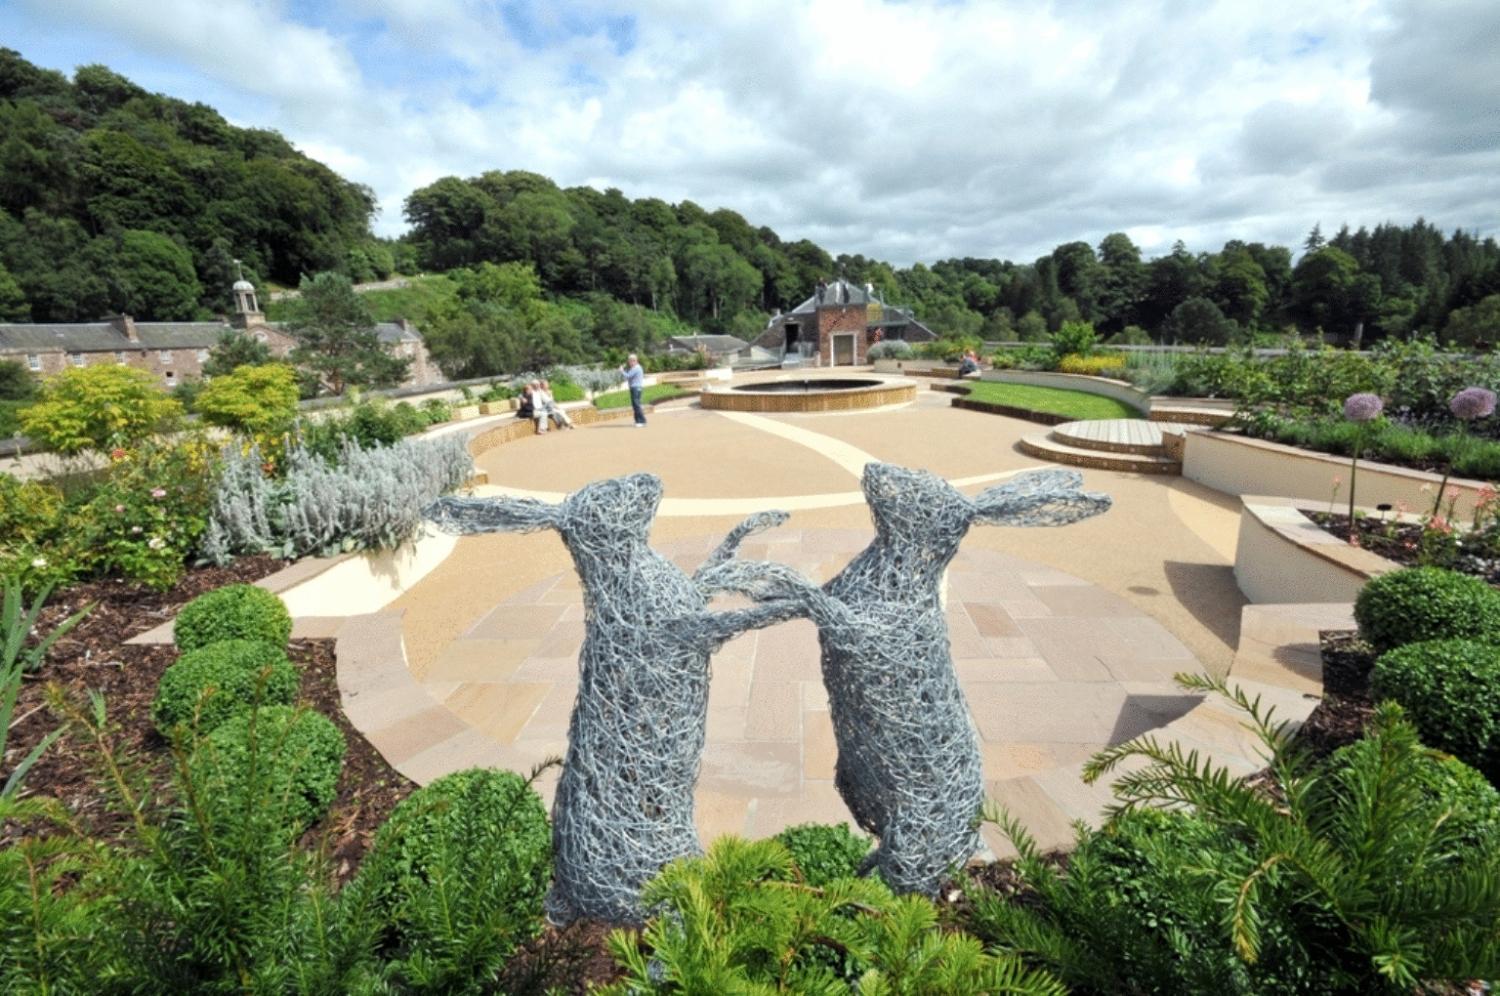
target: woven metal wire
624 803
908 766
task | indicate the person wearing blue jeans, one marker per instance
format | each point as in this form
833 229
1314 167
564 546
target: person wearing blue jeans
635 379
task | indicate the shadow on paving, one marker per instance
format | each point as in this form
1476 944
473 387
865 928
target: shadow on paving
1210 595
1144 713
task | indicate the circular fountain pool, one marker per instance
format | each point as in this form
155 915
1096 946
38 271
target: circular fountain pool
811 394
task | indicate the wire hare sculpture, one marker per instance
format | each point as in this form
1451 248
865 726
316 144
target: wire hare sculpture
624 803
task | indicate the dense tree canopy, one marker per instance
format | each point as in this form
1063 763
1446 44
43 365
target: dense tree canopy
115 199
717 272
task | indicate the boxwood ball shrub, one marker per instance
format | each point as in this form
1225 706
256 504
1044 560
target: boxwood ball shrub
1451 690
233 612
457 876
1449 791
220 681
273 757
1426 603
825 852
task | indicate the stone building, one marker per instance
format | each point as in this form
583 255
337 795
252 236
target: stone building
176 351
837 325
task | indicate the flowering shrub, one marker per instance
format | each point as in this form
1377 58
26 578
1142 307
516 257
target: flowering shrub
146 517
1095 366
138 520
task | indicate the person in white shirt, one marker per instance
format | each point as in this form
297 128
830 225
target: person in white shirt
635 379
552 409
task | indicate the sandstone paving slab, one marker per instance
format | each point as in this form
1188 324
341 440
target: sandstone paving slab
499 710
775 711
516 621
482 659
1053 669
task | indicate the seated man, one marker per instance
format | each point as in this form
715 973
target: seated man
550 407
969 366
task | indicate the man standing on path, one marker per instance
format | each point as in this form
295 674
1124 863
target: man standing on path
635 379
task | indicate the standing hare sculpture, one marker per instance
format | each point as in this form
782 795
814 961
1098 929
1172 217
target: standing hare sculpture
624 804
908 760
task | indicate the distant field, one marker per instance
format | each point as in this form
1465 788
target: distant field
1052 400
406 302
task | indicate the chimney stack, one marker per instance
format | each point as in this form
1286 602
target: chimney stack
125 325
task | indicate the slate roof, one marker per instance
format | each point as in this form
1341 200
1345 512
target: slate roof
178 335
105 337
715 344
838 292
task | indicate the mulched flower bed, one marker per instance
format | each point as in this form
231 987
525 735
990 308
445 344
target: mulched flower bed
1347 705
1402 542
95 657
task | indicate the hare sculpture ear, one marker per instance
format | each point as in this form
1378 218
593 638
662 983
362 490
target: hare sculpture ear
758 522
492 515
1042 498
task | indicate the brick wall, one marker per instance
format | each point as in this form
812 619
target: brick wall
841 319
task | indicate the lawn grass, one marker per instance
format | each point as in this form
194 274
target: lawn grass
652 394
410 302
1052 400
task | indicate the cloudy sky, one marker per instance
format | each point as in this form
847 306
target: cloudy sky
907 130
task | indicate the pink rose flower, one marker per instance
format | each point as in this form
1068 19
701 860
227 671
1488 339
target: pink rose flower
158 492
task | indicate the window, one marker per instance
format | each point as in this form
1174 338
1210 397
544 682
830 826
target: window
34 361
171 375
202 356
120 356
76 358
165 355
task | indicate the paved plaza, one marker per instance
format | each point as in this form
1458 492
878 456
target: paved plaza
1065 639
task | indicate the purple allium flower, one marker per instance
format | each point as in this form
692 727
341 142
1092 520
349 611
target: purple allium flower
1362 407
1472 403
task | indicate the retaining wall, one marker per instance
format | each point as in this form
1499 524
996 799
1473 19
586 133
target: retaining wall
1239 465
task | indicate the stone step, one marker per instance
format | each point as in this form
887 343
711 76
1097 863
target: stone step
1189 414
1112 435
1046 448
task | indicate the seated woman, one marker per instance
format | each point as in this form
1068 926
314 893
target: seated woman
551 408
528 407
969 366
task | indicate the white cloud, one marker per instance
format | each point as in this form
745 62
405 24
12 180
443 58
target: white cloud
906 131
